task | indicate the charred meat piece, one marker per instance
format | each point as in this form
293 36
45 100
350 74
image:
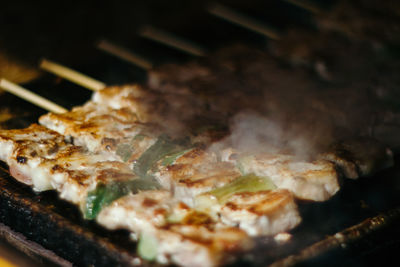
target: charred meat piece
251 203
262 212
100 126
311 180
194 172
25 149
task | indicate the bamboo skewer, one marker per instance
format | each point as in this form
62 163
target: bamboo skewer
307 5
72 75
124 54
172 41
237 18
31 97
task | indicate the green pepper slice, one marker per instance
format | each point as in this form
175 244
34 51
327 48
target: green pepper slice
105 194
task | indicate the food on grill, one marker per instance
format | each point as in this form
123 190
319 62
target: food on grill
220 198
204 157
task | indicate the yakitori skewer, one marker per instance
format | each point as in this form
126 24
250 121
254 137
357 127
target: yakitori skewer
237 18
172 40
31 97
72 75
124 54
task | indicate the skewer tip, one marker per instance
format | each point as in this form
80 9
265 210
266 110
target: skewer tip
71 75
171 40
124 54
242 20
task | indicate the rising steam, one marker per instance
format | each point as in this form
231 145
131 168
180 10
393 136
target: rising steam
267 107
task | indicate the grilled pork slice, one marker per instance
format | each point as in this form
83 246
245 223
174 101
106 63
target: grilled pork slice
316 180
261 213
192 172
252 208
25 149
170 232
98 127
140 211
360 157
76 175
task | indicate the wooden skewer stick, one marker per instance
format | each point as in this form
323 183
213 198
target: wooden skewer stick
307 5
237 18
124 54
172 40
31 97
72 75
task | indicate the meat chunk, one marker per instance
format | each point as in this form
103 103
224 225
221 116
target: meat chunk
97 127
25 149
315 180
194 172
262 213
258 212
